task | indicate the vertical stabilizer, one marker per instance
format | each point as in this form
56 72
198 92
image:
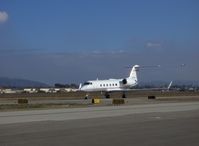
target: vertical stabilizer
133 73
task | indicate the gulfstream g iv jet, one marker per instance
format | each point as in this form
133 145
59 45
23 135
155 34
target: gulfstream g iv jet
111 85
122 85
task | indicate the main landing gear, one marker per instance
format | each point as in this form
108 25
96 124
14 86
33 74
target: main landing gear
123 95
107 95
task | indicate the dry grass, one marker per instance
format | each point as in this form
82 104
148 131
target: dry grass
161 96
81 95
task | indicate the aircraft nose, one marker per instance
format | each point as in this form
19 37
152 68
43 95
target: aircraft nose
82 88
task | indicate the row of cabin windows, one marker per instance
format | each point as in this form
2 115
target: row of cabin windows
103 85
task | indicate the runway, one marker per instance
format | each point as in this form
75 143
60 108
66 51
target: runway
147 124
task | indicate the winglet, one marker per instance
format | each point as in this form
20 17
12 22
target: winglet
170 85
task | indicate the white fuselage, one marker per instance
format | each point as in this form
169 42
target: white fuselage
112 84
108 85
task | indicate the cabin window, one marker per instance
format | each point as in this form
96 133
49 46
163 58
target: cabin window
109 84
115 84
104 85
100 85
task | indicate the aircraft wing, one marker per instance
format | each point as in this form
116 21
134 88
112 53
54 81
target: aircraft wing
143 89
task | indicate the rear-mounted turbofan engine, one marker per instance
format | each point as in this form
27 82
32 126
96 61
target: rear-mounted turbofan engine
124 81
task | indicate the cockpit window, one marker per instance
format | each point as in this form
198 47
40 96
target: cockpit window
87 83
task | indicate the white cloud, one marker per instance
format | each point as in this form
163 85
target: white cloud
96 52
108 51
153 45
3 16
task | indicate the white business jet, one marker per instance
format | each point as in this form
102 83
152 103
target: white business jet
122 85
111 85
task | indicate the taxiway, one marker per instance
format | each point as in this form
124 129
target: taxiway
147 124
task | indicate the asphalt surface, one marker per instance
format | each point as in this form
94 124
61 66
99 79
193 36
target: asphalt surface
149 124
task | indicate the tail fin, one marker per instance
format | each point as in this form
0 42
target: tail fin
133 73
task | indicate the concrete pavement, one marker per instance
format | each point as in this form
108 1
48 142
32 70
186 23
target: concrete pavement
152 124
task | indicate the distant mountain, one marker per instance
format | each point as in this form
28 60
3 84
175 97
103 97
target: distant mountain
20 83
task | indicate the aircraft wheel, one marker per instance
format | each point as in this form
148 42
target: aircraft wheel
107 95
123 96
86 97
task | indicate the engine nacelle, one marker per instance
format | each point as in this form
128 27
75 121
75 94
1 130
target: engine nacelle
124 81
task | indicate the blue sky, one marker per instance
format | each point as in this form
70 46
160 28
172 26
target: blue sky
72 41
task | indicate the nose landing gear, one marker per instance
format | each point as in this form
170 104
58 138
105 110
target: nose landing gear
86 97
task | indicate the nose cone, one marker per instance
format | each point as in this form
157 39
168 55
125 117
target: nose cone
81 89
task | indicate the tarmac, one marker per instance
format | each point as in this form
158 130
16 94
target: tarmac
145 124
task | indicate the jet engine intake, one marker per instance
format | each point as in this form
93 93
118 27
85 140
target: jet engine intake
124 81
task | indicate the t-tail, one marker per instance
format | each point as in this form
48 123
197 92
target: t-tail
133 73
